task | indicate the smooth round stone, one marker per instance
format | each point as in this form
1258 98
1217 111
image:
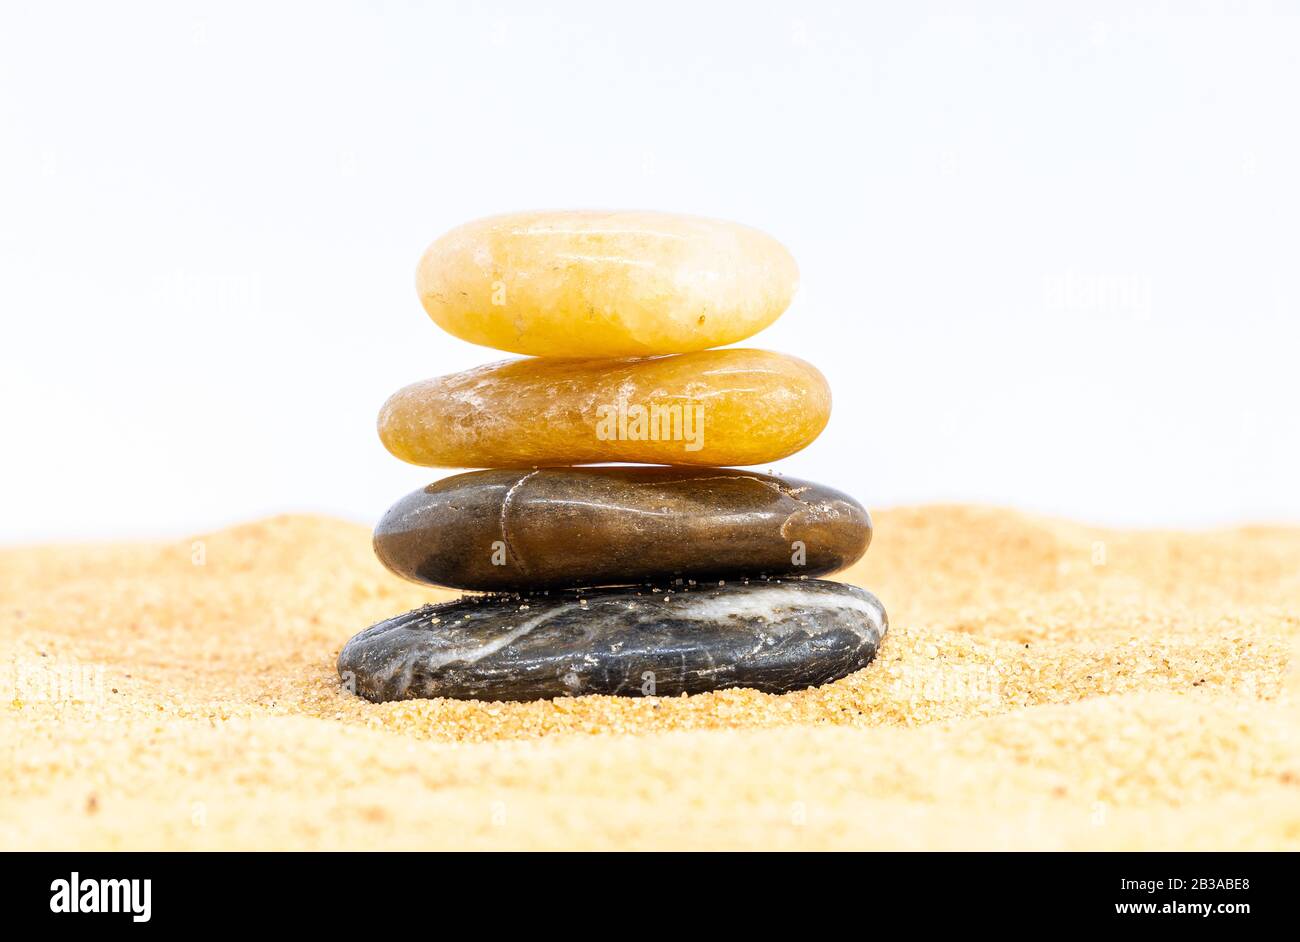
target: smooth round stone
771 636
608 284
715 407
558 527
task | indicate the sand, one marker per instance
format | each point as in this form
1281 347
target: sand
1044 685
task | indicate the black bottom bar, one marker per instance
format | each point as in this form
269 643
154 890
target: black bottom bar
352 893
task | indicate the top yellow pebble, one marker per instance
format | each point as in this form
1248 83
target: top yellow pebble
596 284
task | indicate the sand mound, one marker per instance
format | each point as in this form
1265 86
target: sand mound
1044 684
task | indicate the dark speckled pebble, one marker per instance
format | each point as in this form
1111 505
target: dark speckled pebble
773 635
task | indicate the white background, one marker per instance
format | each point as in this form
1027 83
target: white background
1049 252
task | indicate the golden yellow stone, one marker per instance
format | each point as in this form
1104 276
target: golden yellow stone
714 407
605 284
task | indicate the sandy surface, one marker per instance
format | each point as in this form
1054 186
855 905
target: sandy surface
1044 685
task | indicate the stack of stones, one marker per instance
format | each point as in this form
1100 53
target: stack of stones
683 577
